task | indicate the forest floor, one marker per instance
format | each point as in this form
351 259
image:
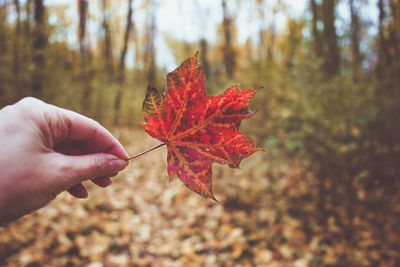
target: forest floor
262 219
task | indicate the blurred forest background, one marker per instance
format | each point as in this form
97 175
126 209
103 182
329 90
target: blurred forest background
324 192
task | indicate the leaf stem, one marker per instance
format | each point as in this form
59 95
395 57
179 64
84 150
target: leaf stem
147 151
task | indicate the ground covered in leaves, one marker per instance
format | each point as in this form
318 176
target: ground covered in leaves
263 218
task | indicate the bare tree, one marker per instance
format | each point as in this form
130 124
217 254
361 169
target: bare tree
128 31
17 37
389 41
85 54
27 23
18 20
355 41
381 40
82 6
107 41
229 55
150 49
3 48
203 42
394 35
332 52
315 31
39 45
3 32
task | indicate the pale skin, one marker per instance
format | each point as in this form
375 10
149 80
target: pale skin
46 150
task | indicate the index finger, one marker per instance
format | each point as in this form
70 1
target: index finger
93 136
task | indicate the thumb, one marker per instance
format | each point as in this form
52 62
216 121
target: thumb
76 169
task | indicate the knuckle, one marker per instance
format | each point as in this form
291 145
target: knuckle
63 174
28 102
28 107
99 167
7 108
70 172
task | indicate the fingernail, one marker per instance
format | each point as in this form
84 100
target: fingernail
85 195
107 182
118 165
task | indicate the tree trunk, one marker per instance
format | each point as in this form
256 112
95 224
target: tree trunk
85 57
128 31
39 46
82 6
203 17
121 78
3 52
332 53
382 62
107 41
150 51
315 31
355 42
27 23
3 32
18 22
18 81
16 39
395 36
228 52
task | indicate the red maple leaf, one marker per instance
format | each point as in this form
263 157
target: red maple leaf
197 129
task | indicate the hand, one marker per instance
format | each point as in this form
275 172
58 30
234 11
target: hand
45 150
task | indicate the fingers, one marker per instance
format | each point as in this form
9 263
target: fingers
78 191
102 181
72 126
60 125
73 170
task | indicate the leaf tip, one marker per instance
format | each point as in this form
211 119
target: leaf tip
209 194
213 198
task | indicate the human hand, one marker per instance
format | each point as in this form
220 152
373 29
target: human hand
46 150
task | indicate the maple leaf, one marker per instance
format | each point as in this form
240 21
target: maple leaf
197 129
